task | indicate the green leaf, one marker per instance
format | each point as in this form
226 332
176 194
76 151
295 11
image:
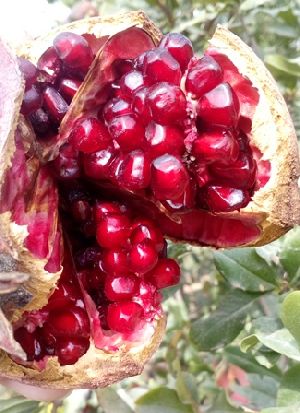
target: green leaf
290 314
245 269
283 64
111 402
161 400
221 405
187 390
224 324
252 4
290 254
19 405
289 391
291 409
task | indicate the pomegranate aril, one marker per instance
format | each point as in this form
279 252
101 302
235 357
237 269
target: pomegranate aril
73 50
50 64
32 100
180 47
222 199
121 287
220 106
140 107
128 132
54 104
68 88
69 350
114 261
160 66
138 62
130 83
203 75
97 165
40 122
124 317
115 168
169 177
64 295
143 257
216 145
81 210
145 230
66 163
29 72
89 135
165 274
186 201
116 107
162 139
167 103
30 343
103 208
201 174
113 231
68 322
135 172
122 66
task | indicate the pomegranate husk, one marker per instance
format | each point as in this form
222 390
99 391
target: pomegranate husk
275 207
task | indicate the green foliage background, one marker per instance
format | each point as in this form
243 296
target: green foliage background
226 349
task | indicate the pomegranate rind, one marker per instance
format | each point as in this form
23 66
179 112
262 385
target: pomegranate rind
273 133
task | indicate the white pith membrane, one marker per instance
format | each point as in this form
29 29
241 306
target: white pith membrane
130 358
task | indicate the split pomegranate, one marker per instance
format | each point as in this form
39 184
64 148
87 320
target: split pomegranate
125 141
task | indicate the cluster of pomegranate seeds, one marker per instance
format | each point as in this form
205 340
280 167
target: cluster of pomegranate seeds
51 86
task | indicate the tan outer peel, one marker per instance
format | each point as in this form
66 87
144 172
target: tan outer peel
274 135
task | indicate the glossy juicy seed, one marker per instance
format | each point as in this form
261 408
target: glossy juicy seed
143 257
81 210
50 64
68 88
114 261
122 66
128 132
124 317
29 72
116 107
145 230
216 145
65 294
54 104
97 165
89 135
203 76
140 107
162 139
165 274
135 172
68 322
73 50
169 177
167 103
130 83
138 62
160 66
115 168
69 350
220 106
241 174
40 122
201 174
66 164
180 47
222 199
30 343
186 201
113 231
121 287
104 208
32 100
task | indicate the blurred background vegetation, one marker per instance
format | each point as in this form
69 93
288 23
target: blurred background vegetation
225 350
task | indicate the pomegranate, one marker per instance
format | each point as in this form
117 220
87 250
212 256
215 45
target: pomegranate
119 141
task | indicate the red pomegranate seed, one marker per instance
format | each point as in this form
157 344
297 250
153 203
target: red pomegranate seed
40 122
29 72
114 261
135 172
130 83
50 64
97 165
103 208
124 317
222 199
54 104
128 132
167 103
68 88
69 350
180 47
143 257
160 66
140 106
138 62
115 168
116 107
64 295
220 106
66 163
169 177
165 274
122 66
113 231
121 287
204 75
186 201
73 50
30 343
145 230
32 100
68 322
162 139
89 135
216 145
202 175
81 210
